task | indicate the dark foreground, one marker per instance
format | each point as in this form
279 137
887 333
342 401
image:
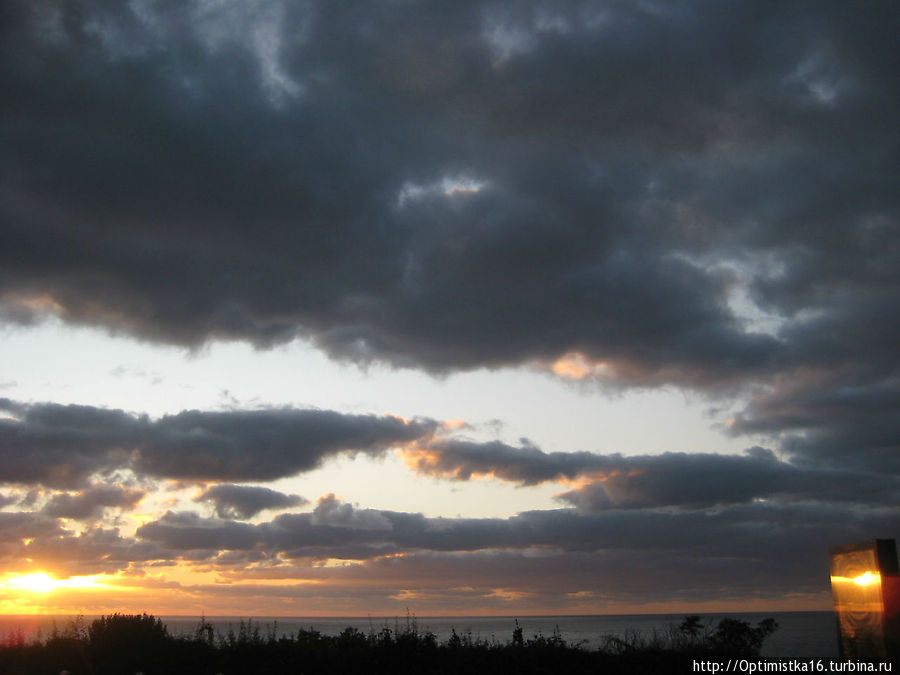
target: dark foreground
119 644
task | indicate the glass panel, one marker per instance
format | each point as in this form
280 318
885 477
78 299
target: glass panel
856 585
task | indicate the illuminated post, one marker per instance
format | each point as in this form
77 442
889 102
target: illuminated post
865 583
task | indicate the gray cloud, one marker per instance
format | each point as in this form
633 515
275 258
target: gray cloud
689 195
188 531
264 189
458 459
696 481
64 445
736 528
830 420
95 550
667 479
242 501
751 550
748 550
91 501
23 525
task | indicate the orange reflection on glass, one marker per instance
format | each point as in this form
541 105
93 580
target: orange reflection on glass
866 579
856 583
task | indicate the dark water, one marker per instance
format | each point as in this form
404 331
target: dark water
800 634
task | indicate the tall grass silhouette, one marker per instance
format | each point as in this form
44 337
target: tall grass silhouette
120 644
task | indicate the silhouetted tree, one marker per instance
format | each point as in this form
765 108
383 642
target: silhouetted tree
127 642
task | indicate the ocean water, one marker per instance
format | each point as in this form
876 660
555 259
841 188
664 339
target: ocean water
799 635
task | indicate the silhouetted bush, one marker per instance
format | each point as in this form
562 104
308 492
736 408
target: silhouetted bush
122 643
740 638
127 643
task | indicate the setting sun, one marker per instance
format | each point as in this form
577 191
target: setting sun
41 582
37 583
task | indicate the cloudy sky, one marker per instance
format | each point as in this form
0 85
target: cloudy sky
466 308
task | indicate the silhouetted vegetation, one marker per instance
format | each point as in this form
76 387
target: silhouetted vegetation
122 643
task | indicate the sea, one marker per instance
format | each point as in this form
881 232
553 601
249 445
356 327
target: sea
799 634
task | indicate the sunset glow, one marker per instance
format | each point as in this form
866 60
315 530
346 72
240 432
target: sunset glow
470 308
40 582
577 366
36 583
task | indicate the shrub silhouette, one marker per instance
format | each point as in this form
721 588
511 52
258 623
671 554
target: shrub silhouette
123 643
690 628
739 638
127 642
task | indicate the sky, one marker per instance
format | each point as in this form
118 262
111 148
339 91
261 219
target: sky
445 308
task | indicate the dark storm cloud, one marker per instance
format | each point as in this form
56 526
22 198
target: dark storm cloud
697 481
736 528
266 444
748 550
241 501
459 459
262 173
63 445
667 479
835 420
702 194
91 501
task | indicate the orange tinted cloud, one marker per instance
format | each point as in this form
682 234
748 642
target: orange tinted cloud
577 366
